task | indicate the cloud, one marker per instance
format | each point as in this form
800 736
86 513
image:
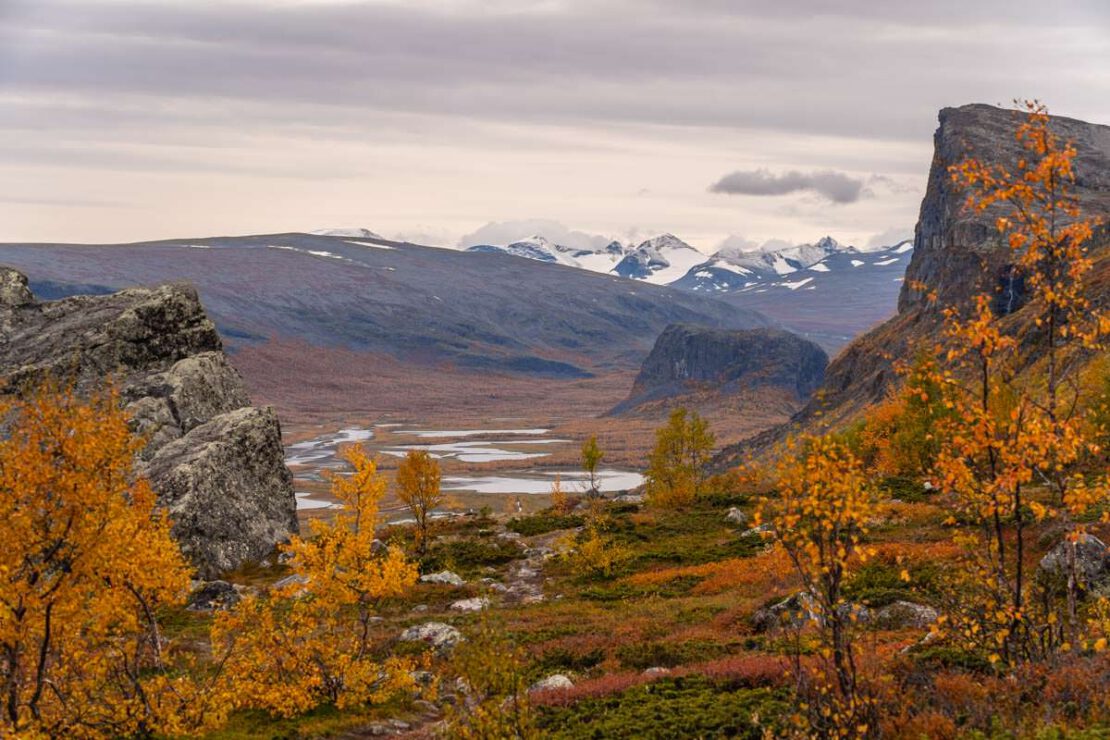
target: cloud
834 186
736 244
506 232
890 237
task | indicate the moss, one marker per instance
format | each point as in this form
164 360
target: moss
905 489
324 721
469 555
561 659
879 582
680 707
642 655
942 656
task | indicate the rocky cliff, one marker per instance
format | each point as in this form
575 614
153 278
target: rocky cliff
956 255
215 461
690 358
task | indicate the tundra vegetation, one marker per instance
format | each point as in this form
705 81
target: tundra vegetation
936 569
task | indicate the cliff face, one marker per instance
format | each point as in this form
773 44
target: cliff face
956 255
686 357
216 462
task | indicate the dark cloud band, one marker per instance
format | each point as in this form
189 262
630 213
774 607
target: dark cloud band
834 186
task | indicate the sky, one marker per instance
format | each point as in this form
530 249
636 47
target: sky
458 121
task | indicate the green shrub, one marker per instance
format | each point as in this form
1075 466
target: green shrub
905 489
690 706
468 555
642 655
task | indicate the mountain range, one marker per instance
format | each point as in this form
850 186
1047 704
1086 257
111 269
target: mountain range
826 291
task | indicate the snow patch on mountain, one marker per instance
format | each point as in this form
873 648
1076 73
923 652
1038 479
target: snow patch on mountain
356 232
660 260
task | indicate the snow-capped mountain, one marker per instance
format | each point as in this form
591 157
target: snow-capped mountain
356 233
732 270
660 260
825 290
539 248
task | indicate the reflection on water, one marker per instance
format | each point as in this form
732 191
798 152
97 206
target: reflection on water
453 433
316 455
609 481
324 448
476 452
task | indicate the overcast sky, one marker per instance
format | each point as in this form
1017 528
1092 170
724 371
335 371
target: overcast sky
429 119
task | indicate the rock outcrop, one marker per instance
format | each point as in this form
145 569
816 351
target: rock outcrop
687 358
216 462
957 254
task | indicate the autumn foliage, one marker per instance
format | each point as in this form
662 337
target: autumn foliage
418 488
86 565
820 516
312 641
676 472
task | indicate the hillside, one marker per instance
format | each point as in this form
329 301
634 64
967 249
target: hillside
742 370
419 304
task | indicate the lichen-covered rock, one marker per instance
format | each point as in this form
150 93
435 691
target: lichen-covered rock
736 516
476 604
556 682
224 485
443 637
213 595
194 390
216 463
793 611
444 577
904 614
13 289
1092 563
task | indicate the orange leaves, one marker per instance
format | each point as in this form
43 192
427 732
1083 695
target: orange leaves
418 488
310 642
86 561
762 573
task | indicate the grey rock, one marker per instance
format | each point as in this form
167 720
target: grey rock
13 289
736 516
1092 563
629 498
444 577
225 485
193 391
656 671
212 596
951 244
476 604
759 531
442 637
793 612
216 464
555 682
957 253
903 614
